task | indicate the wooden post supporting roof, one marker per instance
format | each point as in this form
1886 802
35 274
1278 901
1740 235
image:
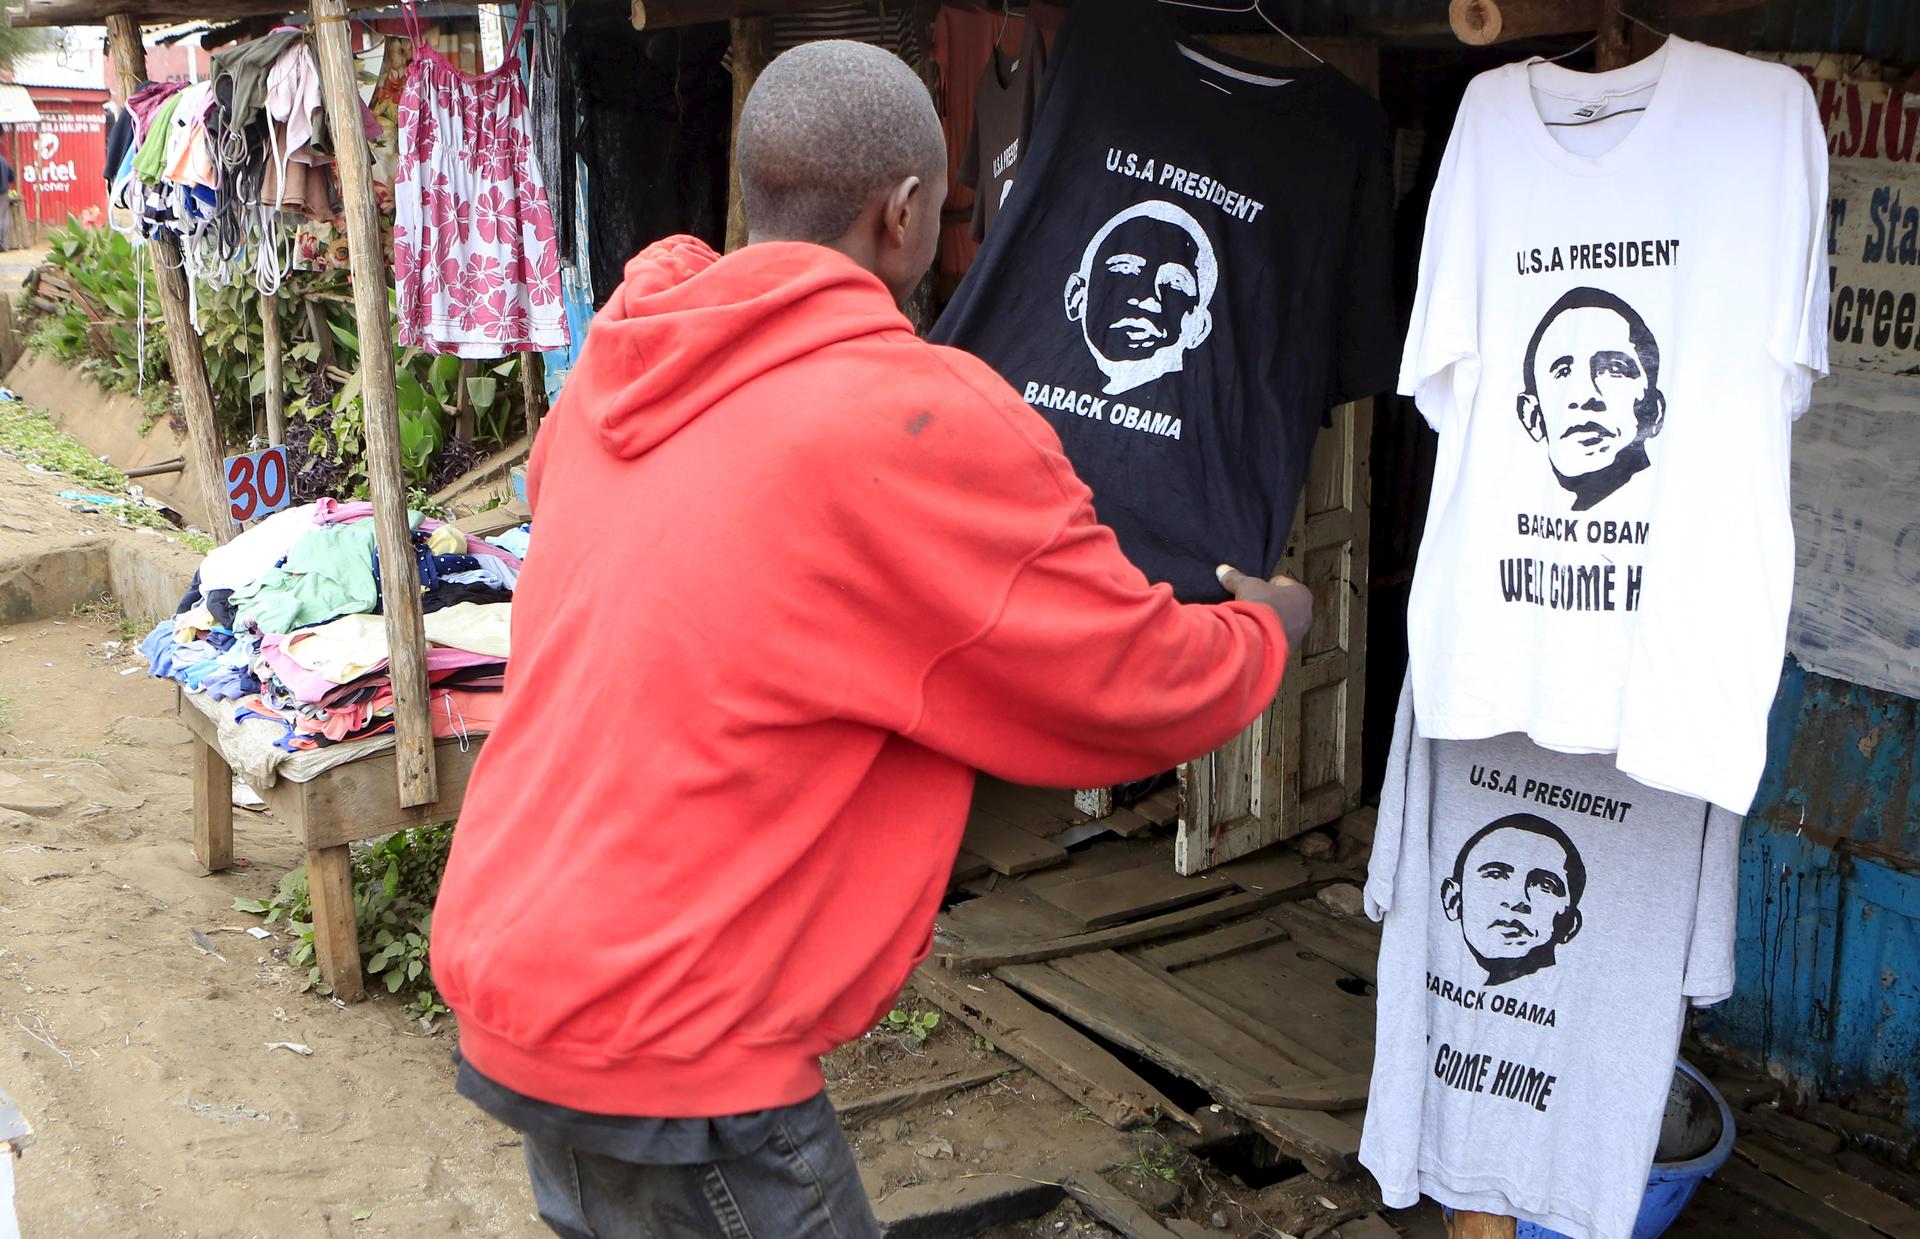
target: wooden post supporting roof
183 342
752 49
386 474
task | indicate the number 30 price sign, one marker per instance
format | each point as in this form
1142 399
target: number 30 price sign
257 484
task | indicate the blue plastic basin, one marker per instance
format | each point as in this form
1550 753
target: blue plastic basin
1696 1138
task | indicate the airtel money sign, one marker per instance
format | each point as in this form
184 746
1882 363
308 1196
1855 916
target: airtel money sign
48 173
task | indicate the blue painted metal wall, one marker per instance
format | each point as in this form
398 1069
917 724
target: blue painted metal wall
1829 945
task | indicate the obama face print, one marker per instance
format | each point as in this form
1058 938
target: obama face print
1143 292
1515 891
1592 393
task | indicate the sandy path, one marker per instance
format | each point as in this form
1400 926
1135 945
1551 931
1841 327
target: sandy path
141 1059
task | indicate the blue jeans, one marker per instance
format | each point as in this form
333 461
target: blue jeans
801 1184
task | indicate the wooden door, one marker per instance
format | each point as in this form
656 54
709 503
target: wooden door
1298 766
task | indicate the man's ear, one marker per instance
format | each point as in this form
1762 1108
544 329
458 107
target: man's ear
1076 297
1658 400
1450 899
1196 326
1527 405
1567 925
896 217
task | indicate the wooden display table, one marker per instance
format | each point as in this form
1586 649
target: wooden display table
350 802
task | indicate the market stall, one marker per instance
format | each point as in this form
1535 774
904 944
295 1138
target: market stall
292 90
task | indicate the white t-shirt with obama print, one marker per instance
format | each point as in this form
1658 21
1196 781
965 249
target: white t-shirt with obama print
1622 308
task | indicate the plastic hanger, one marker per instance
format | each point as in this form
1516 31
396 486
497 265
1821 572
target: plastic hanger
1253 8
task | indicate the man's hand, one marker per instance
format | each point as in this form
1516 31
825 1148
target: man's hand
1292 600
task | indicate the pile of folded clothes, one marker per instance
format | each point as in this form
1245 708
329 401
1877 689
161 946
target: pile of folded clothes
286 623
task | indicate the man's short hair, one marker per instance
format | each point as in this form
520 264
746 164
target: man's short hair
1533 825
1638 333
827 126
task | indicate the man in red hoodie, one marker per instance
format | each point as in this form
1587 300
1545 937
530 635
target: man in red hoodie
796 575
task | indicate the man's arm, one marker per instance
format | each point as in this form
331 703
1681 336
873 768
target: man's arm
1086 675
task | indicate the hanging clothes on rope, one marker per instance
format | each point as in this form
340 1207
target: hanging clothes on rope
474 250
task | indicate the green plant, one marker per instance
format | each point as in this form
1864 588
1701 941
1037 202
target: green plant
394 882
916 1024
29 435
1163 1162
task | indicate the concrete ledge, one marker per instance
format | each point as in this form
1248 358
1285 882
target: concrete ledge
53 580
145 581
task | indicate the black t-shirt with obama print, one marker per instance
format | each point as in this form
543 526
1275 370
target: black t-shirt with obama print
1192 267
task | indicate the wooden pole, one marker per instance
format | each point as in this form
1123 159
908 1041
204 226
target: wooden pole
1480 1226
274 354
1611 51
386 474
204 450
533 391
752 49
1480 22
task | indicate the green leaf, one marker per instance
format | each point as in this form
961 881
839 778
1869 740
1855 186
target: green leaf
483 391
256 906
395 980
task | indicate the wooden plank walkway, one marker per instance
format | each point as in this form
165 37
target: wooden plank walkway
1102 967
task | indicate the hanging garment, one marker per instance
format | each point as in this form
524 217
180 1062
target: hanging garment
145 102
151 160
1613 366
654 113
1003 112
1547 922
188 159
474 252
550 103
1194 270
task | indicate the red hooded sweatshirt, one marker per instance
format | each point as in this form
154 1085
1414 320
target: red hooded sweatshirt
797 574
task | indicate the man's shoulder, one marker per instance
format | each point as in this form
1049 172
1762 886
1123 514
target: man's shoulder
942 396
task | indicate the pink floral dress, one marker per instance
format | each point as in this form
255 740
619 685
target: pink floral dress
475 258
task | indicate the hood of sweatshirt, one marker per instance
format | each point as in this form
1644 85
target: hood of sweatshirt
687 328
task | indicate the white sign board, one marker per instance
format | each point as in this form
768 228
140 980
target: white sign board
1856 524
1856 453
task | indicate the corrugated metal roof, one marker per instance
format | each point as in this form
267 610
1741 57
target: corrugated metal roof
16 106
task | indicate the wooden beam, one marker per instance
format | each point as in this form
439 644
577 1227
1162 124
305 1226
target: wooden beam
752 49
212 805
336 928
153 12
273 357
386 473
1466 1225
1483 22
660 14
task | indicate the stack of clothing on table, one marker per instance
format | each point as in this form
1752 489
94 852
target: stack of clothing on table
286 622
